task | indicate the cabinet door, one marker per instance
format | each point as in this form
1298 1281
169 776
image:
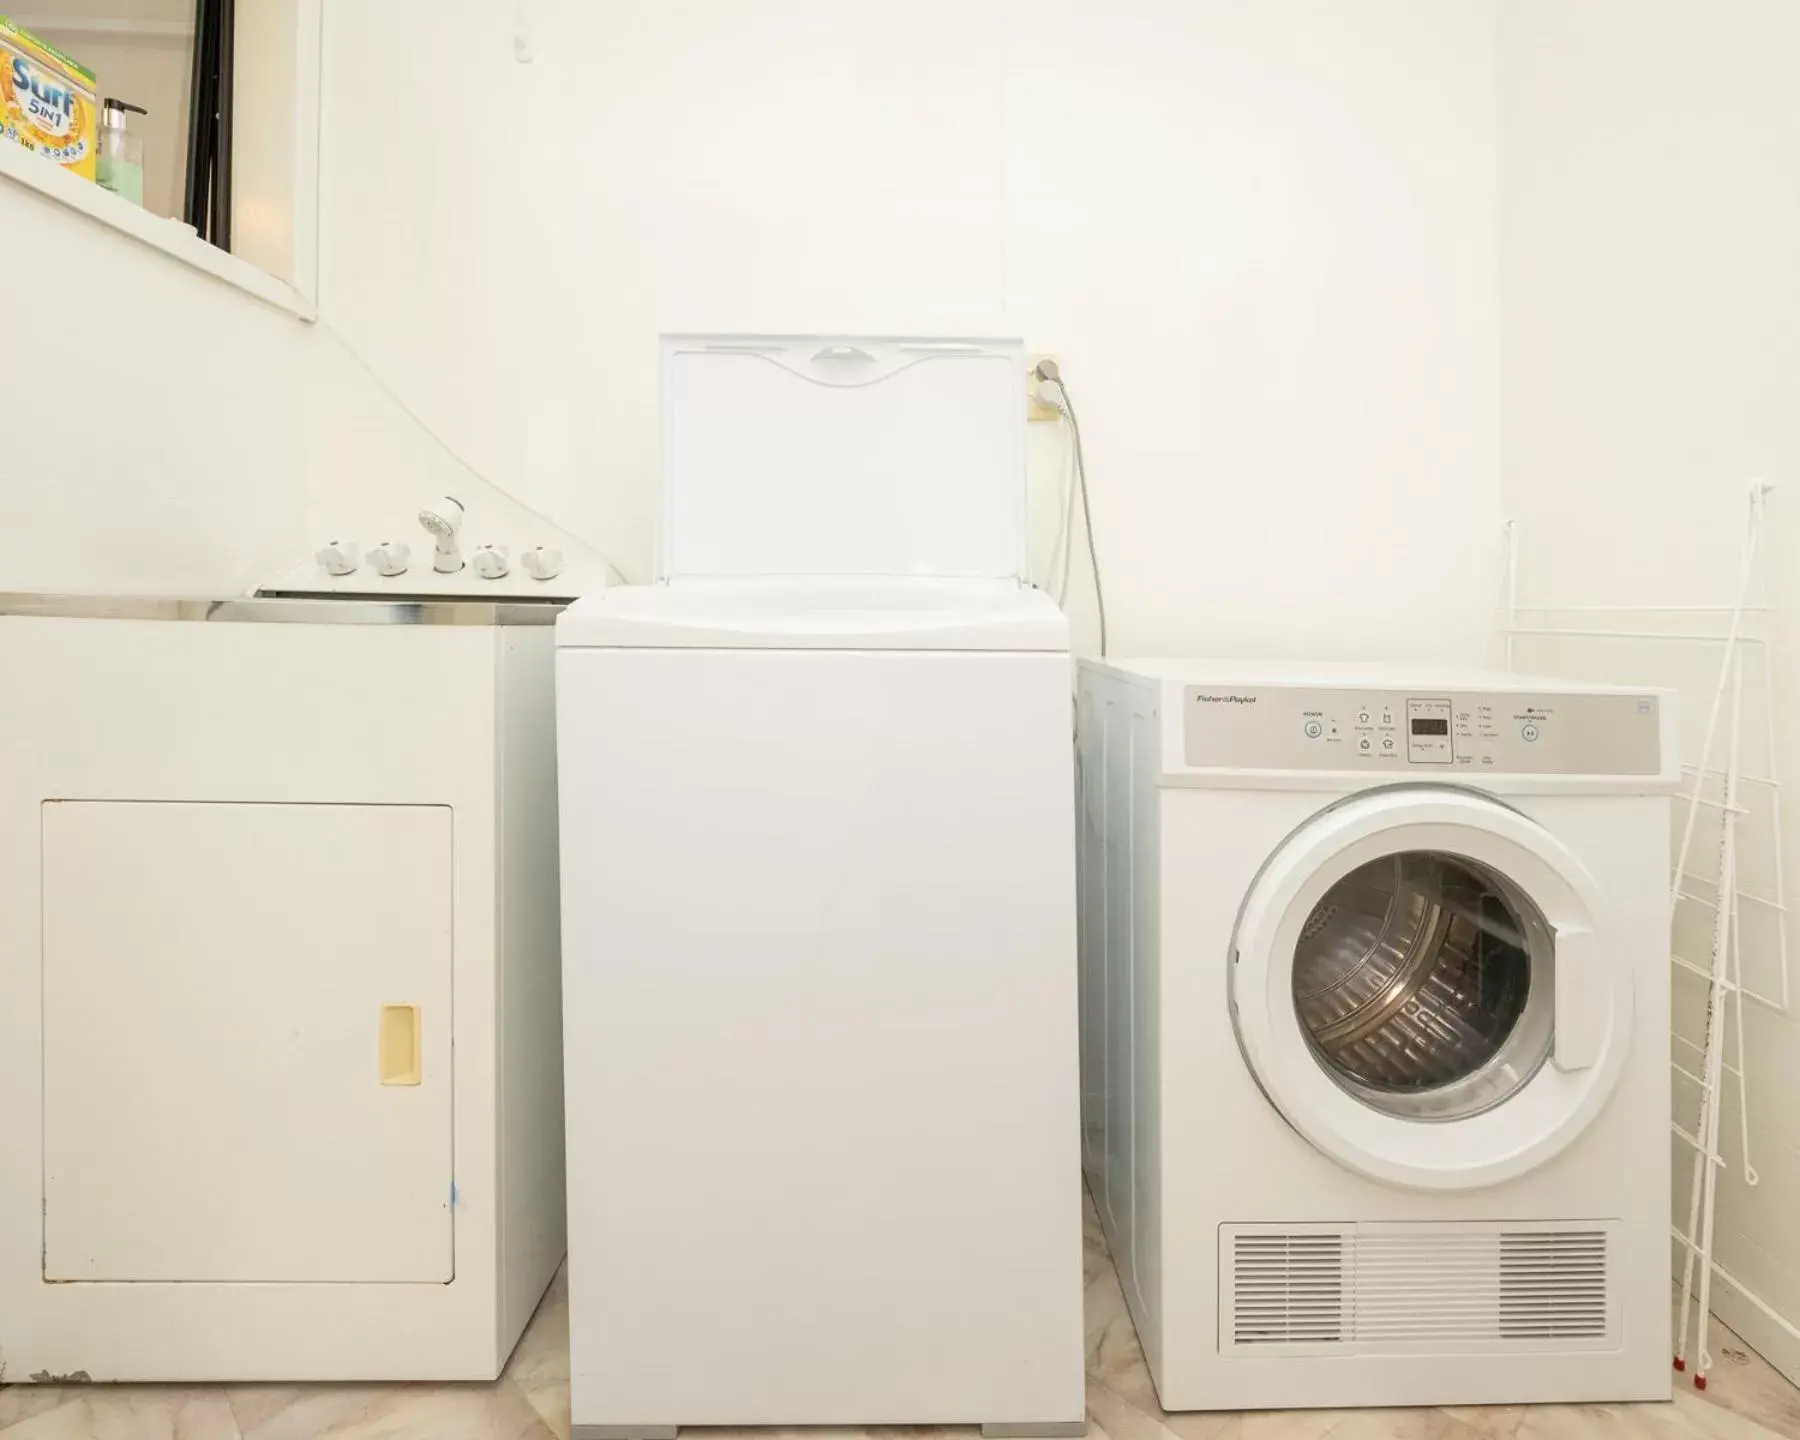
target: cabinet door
247 1067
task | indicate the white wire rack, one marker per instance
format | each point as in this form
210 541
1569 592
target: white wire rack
1740 632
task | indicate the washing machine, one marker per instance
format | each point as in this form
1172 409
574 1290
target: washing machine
1375 1013
818 858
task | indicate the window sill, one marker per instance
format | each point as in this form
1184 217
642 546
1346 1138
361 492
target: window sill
21 167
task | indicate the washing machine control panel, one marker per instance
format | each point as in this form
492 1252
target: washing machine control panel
1264 727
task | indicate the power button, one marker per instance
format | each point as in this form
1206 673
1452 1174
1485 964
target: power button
1314 730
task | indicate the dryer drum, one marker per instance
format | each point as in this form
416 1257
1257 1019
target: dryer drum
1424 984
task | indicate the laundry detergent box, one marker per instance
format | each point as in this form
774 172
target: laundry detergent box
47 100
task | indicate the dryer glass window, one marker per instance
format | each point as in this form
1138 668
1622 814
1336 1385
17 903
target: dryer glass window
1424 984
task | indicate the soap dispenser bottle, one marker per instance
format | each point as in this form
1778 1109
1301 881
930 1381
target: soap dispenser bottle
120 167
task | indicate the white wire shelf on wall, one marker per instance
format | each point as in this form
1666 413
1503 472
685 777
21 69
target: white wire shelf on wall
1632 641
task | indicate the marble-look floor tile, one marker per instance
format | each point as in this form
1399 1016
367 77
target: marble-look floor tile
539 1365
1404 1424
1648 1421
19 1403
1203 1424
832 1432
1491 1422
403 1412
1093 1242
293 1412
1746 1400
1698 1415
551 1401
1113 1356
1123 1420
1287 1424
130 1412
1743 1382
1753 1388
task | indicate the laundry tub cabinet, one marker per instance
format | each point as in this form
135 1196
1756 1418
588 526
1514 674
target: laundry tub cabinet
280 1014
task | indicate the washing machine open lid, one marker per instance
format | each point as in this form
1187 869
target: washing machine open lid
793 455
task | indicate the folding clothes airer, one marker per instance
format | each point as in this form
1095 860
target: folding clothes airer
1720 789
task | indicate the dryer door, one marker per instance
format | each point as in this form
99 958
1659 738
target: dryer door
1423 984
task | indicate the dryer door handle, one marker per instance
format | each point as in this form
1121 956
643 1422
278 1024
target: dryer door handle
1583 1006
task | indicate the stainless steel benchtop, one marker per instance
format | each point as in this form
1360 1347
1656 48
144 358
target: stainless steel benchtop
280 609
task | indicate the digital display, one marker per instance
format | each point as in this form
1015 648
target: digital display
1425 726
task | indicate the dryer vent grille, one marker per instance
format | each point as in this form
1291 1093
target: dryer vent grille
1289 1289
1552 1284
1458 1288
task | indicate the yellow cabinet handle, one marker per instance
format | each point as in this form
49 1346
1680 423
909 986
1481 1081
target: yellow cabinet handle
399 1044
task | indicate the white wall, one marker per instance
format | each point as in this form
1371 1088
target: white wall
166 434
368 468
152 434
1651 282
1261 236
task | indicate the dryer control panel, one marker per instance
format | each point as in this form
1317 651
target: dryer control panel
1298 728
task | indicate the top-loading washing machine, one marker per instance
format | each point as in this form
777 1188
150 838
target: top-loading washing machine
1375 1030
819 921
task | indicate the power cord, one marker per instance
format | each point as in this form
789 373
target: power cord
1053 392
1058 576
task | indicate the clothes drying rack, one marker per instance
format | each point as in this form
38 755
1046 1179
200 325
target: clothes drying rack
1736 631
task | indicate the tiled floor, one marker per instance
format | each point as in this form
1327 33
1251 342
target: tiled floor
1746 1401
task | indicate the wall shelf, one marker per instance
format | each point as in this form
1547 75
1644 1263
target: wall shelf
48 25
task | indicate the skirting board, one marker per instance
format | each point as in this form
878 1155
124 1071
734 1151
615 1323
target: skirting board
1732 1304
1748 1316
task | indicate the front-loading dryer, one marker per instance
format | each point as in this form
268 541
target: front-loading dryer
1375 1012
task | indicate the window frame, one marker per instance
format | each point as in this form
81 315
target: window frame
299 297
